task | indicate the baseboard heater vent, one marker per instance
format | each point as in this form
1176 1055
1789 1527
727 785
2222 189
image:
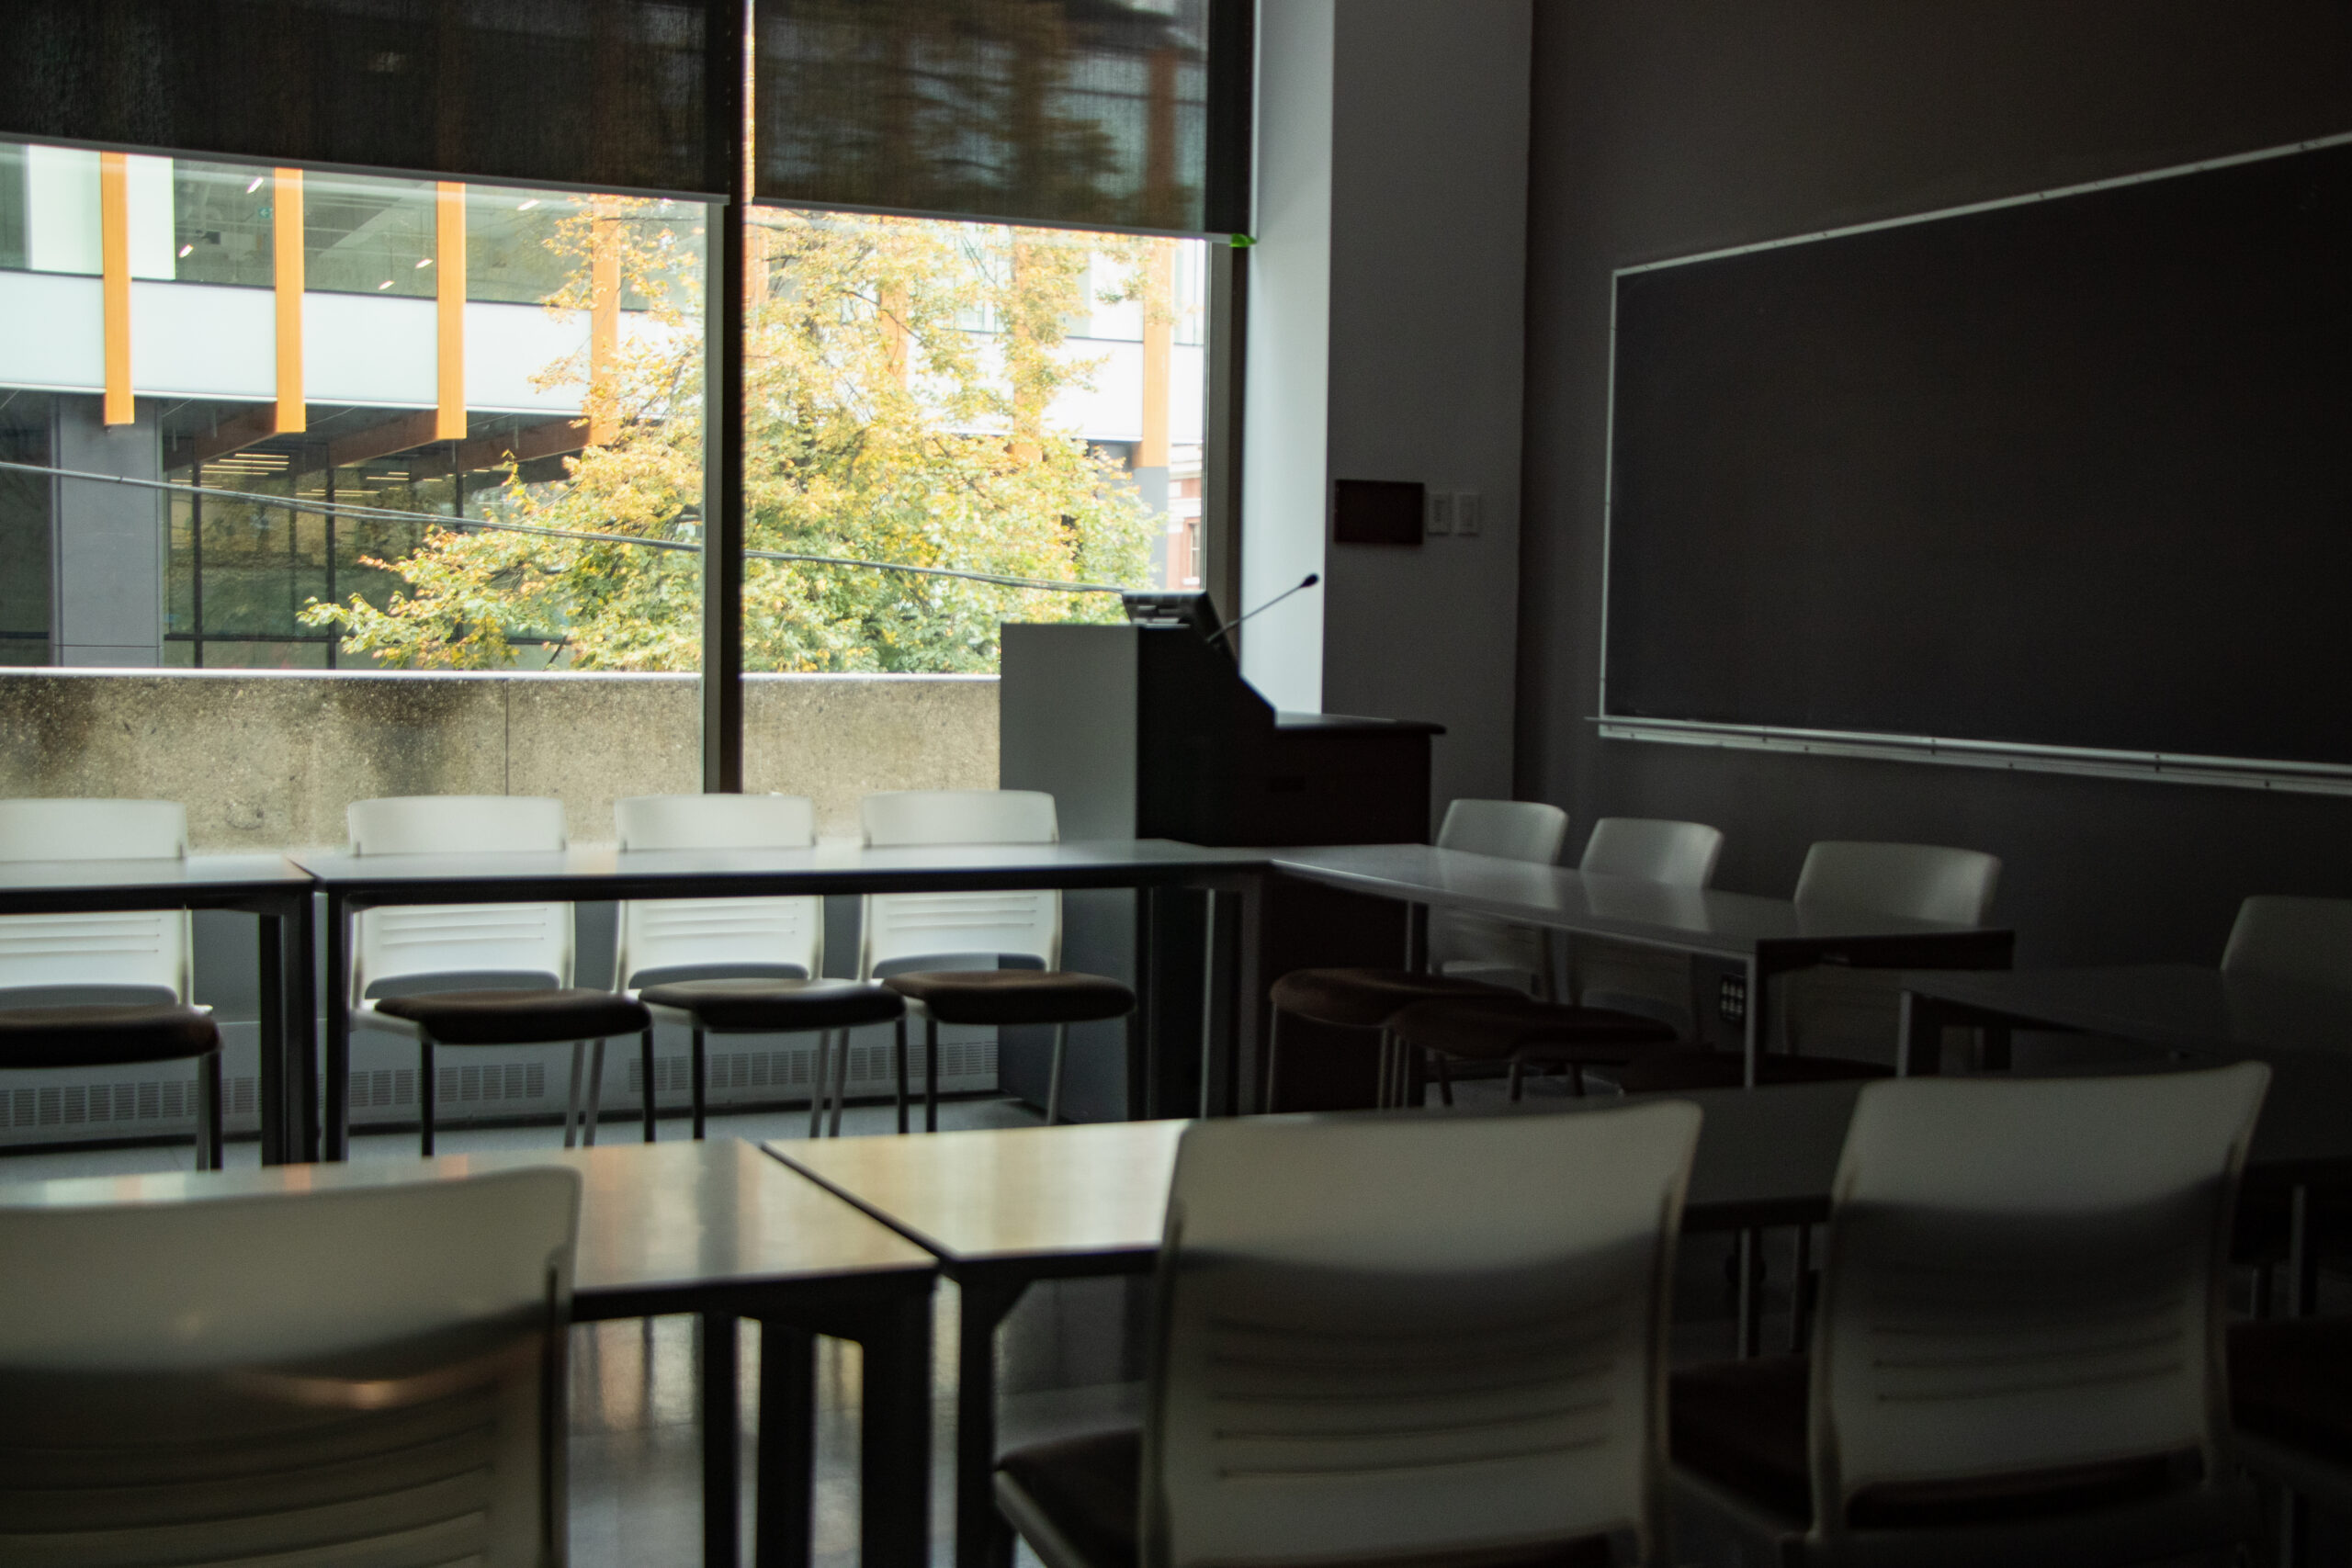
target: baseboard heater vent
140 1105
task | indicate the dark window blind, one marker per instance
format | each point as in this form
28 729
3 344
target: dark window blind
606 94
1100 113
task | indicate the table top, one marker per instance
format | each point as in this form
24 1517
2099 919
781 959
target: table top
1042 1197
1688 919
168 876
656 1219
826 868
2181 1006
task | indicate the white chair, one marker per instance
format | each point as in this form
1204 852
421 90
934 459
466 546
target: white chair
1655 853
901 930
1469 955
2018 1354
111 989
1471 946
371 1375
466 975
737 966
1441 1341
2308 940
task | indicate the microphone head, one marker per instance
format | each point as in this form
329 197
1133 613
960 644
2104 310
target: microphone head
1310 580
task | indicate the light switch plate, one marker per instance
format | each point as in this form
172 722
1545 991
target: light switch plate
1467 513
1441 513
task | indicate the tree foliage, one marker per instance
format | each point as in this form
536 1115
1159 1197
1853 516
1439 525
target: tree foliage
899 377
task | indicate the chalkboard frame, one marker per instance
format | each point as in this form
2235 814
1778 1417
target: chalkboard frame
2293 775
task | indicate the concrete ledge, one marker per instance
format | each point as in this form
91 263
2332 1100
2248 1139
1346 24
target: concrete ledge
269 758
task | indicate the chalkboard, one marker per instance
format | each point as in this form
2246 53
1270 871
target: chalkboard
2074 471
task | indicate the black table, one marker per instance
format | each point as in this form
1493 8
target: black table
1002 1210
2187 1013
351 883
267 887
717 1229
1765 937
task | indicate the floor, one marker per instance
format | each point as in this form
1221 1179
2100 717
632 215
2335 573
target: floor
1070 1359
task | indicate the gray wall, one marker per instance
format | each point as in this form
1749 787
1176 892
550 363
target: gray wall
1665 127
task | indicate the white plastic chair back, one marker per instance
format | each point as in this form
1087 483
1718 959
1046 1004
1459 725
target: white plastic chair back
136 955
1447 1337
1679 854
1916 882
484 944
241 1378
1478 946
2023 1276
682 939
900 929
2305 939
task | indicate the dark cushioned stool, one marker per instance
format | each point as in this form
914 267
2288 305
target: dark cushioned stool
119 1035
1523 1033
987 997
1077 1500
783 1007
1673 1072
548 1017
1360 999
1743 1425
2290 1401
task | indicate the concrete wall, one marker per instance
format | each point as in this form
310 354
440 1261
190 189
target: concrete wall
1663 128
265 760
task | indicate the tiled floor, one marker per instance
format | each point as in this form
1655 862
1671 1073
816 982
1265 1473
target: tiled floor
1070 1359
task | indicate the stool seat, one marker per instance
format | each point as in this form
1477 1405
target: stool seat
105 1034
783 1007
1014 996
1673 1071
518 1017
1500 1029
1367 998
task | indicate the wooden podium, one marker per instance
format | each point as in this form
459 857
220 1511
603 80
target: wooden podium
1145 731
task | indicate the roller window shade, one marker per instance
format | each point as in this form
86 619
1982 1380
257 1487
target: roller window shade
607 94
1095 113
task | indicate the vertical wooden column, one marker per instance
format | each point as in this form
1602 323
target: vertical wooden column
449 271
286 234
114 277
603 322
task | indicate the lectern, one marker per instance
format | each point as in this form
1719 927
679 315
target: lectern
1149 731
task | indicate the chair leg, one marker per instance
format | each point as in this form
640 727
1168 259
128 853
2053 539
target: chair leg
1385 1079
424 1093
208 1112
1575 1079
841 1077
596 1094
1444 1079
571 1098
1518 1072
901 1055
819 1071
699 1073
645 1080
1054 1082
930 1073
1273 1051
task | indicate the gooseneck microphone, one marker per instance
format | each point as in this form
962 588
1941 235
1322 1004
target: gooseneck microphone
1309 580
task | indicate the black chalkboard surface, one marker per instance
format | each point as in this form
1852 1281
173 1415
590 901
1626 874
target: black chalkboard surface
2074 471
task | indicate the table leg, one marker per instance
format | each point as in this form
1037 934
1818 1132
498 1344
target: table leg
275 1100
782 1508
1249 991
982 1537
1919 1047
1215 975
895 1438
1416 938
722 1510
338 1085
2302 1255
1751 1029
1751 1292
301 950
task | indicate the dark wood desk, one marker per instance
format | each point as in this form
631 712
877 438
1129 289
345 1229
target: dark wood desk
1766 937
720 1230
1000 1210
267 887
351 883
